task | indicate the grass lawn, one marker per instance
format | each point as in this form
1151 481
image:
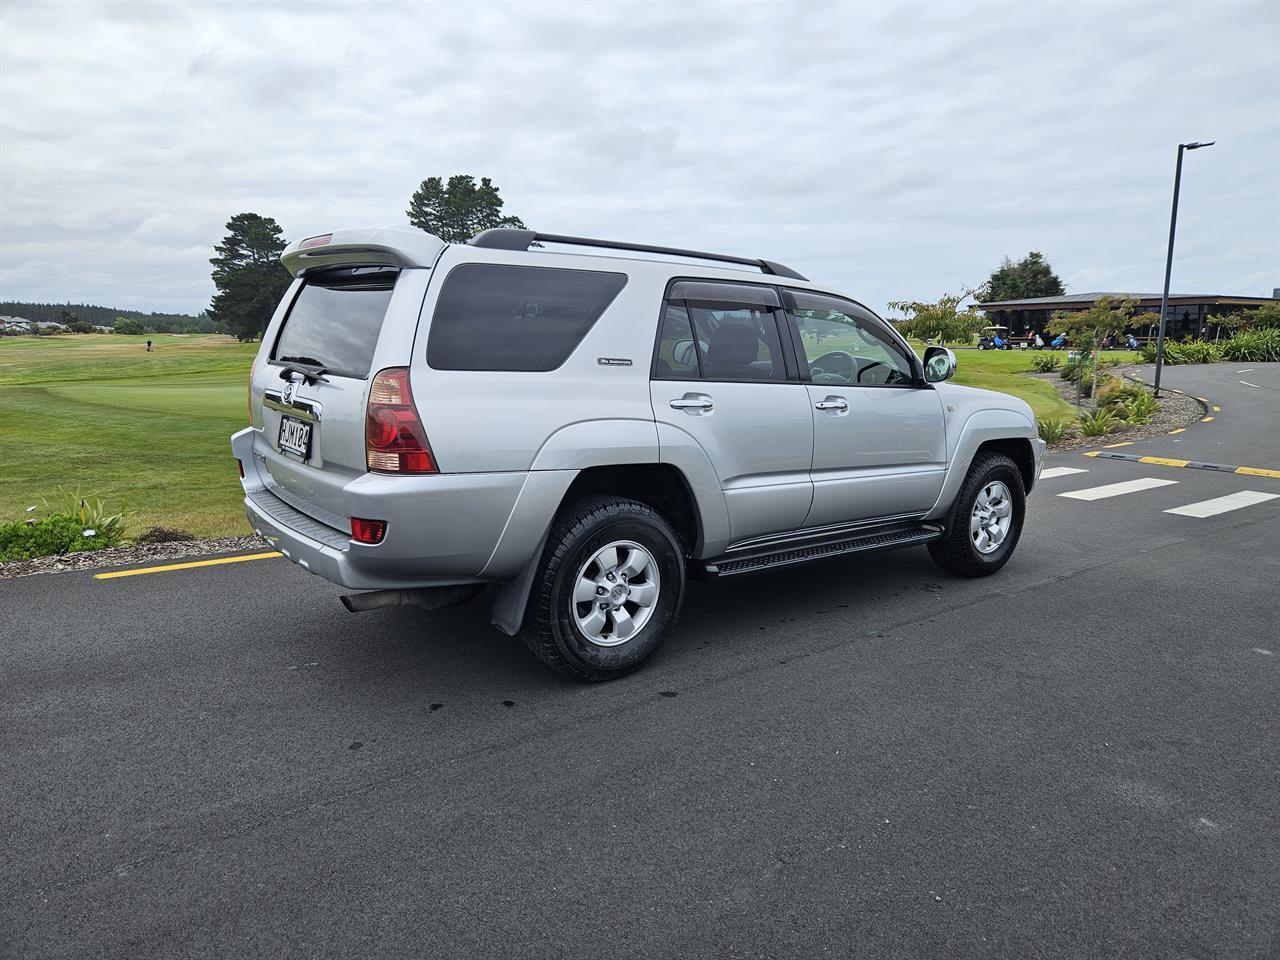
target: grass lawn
149 432
1002 370
146 432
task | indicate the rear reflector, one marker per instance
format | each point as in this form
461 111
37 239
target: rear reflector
395 440
319 241
368 531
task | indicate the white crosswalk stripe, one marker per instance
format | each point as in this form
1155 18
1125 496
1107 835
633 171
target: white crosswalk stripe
1051 472
1232 501
1117 489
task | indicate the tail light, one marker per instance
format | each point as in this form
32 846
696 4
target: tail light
368 531
395 440
248 402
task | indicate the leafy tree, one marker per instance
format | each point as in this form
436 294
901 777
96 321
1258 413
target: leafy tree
943 321
457 211
1029 277
128 326
1267 315
80 326
1107 315
68 317
249 276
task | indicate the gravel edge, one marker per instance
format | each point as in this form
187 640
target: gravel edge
129 555
1176 410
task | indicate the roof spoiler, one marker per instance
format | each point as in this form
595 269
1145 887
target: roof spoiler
376 246
512 238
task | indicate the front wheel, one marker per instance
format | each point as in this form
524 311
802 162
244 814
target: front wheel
608 588
987 519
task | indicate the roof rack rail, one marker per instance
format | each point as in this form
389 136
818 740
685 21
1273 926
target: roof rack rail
514 238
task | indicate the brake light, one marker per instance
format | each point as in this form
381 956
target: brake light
368 531
395 440
248 402
319 241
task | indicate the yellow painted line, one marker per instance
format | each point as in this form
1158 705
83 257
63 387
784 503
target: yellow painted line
1093 453
1179 430
1164 461
184 566
1206 419
1259 472
1177 391
1217 409
1203 399
1122 443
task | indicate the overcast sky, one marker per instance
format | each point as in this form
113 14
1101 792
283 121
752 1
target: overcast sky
896 151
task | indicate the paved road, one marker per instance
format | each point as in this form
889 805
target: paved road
1246 425
864 758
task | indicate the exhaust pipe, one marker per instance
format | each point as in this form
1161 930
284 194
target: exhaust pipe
429 598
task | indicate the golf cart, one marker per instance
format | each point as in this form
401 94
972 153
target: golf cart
994 338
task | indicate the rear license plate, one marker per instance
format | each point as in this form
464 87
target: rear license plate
295 437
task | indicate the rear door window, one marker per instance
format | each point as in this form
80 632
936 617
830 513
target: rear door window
335 320
501 317
720 331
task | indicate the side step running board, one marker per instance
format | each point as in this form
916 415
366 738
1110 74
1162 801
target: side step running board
770 558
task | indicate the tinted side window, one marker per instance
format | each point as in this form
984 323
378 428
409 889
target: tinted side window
734 330
336 319
843 344
501 317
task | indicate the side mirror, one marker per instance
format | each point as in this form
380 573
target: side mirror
939 364
682 352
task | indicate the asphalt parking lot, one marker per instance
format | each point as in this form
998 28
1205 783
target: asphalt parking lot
861 758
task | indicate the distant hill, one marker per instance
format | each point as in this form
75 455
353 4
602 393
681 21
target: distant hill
106 316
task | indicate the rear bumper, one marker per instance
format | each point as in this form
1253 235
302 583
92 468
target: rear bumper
442 529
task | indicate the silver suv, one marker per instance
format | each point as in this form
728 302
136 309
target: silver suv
580 425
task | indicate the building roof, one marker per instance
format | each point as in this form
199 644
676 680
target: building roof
1068 300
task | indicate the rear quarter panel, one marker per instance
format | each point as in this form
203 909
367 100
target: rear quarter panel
580 414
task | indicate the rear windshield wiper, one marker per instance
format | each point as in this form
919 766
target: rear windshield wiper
309 367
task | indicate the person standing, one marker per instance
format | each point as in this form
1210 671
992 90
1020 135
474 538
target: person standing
148 346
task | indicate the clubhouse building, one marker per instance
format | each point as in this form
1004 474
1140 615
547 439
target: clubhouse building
1189 315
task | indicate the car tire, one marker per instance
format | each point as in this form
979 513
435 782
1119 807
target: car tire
629 552
969 547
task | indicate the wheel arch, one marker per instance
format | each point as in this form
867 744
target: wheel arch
661 486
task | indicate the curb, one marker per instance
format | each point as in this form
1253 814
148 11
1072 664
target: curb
1191 464
1208 409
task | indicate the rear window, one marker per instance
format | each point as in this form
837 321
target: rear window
502 317
335 320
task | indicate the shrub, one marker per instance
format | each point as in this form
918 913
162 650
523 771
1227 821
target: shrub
1099 423
72 525
1139 408
1045 362
1260 345
1116 394
1053 430
92 514
53 534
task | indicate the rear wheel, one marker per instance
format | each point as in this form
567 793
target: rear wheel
608 588
987 520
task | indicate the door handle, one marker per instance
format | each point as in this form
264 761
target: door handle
692 402
832 403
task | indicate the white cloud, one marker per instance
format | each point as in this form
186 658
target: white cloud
895 151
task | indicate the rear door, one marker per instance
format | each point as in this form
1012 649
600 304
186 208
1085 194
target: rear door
314 387
722 377
879 439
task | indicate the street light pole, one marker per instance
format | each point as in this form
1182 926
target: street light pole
1168 263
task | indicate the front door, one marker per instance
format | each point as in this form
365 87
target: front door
879 439
720 377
